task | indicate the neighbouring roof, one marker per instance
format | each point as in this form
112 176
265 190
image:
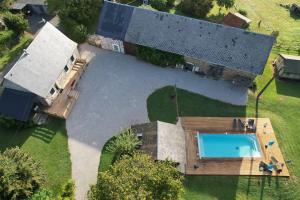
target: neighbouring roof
20 4
16 104
163 141
43 61
236 20
114 21
214 43
291 63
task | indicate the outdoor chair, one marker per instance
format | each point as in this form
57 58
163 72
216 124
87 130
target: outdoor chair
265 167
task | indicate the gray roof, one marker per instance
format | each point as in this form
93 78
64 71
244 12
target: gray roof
20 4
291 63
43 61
214 43
114 21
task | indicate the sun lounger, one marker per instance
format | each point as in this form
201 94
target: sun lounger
241 124
277 165
234 123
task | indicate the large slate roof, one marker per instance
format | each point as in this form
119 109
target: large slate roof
43 61
16 104
214 43
114 19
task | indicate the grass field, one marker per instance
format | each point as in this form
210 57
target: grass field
12 53
273 18
47 144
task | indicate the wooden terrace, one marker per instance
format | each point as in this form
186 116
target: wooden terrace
229 166
64 103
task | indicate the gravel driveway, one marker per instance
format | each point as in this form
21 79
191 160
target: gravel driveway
113 94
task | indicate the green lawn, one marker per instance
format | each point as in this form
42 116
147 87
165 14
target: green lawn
49 145
273 18
12 53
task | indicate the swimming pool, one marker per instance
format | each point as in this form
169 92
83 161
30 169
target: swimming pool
228 145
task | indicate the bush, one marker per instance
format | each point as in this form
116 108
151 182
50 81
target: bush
68 191
243 12
42 194
8 38
20 175
138 177
158 57
76 32
161 5
9 123
123 144
171 3
196 8
15 22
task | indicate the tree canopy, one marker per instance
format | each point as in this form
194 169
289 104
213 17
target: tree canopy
196 8
225 3
138 177
76 16
20 175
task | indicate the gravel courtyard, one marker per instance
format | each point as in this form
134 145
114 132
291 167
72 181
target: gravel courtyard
113 94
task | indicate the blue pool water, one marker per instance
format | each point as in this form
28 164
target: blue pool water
228 145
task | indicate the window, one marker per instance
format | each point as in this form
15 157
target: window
56 87
116 47
66 68
72 58
52 91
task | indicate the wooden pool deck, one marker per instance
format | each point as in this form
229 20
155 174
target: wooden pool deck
220 166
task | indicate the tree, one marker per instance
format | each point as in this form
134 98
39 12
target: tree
225 3
161 5
196 8
138 177
20 175
76 16
124 144
42 194
15 22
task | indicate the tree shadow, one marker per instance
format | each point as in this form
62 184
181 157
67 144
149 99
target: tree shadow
218 187
288 87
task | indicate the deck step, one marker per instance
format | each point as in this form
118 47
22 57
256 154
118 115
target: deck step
73 94
40 118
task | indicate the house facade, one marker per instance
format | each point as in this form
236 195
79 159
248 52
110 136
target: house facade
288 66
236 20
210 49
48 69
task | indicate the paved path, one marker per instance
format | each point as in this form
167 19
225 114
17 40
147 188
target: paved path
113 94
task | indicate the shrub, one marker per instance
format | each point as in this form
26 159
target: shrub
123 144
196 8
42 194
138 177
158 57
161 5
15 22
8 38
68 191
171 3
20 175
243 12
225 3
15 124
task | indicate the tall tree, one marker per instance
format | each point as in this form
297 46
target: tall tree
138 177
20 175
196 8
